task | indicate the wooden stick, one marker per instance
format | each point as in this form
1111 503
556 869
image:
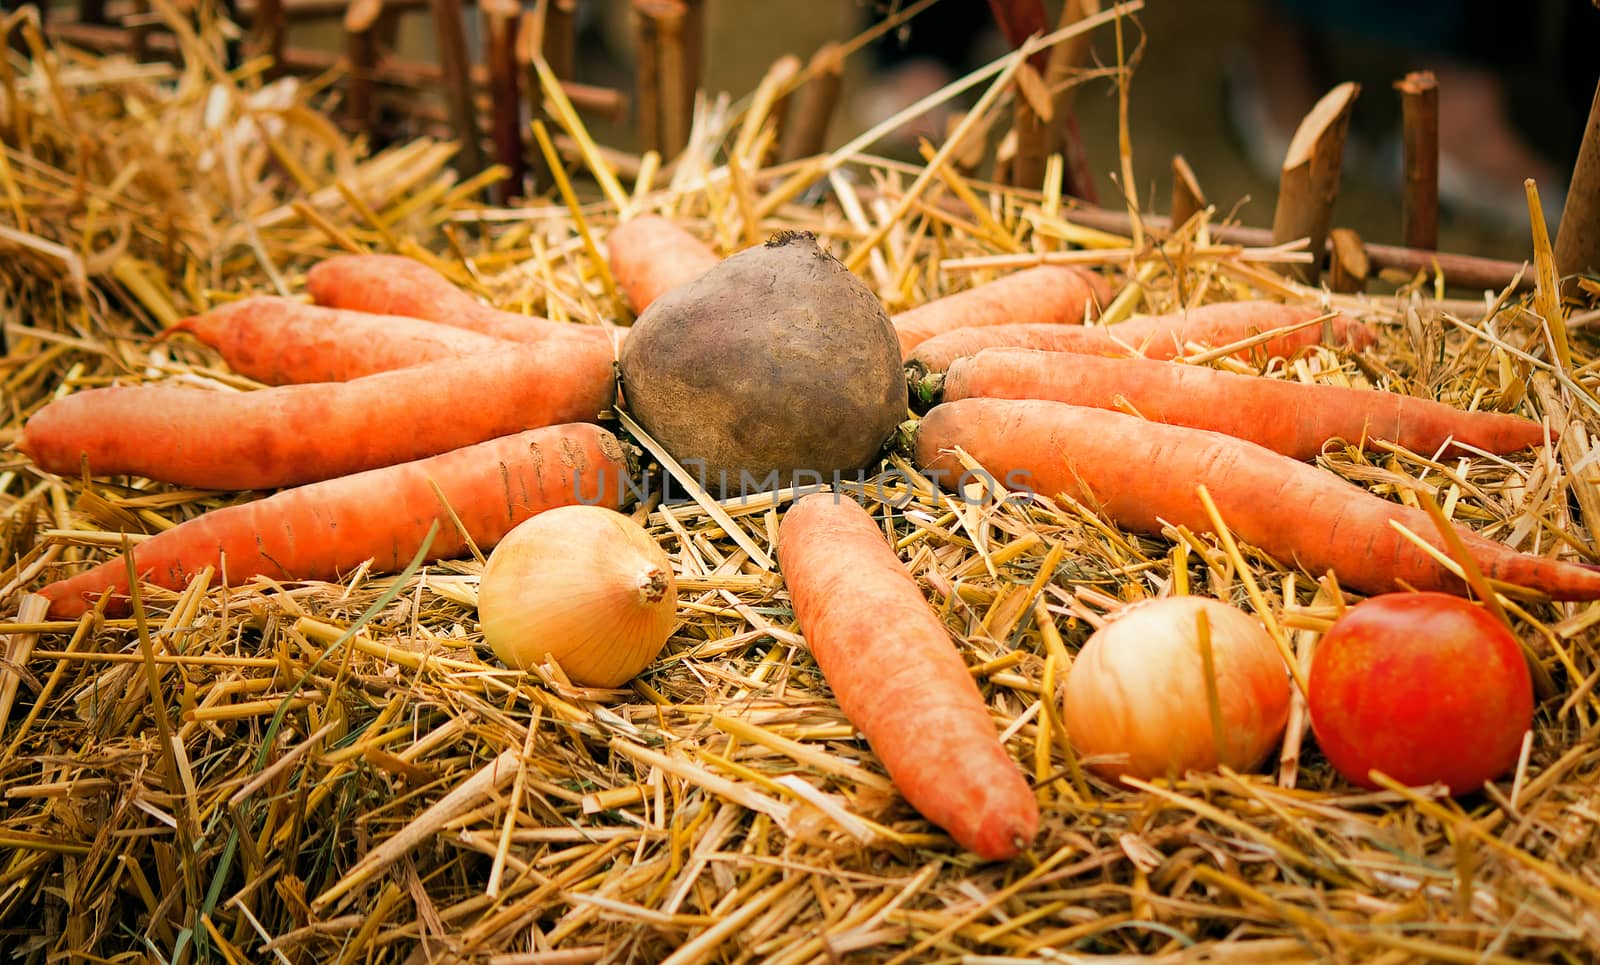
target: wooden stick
1187 198
559 39
1033 119
1348 264
267 30
530 46
807 131
1063 61
693 30
1578 237
450 32
1309 182
675 112
361 46
505 107
1419 205
647 77
1461 271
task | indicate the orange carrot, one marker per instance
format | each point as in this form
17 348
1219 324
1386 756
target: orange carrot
396 285
280 341
295 434
650 254
1046 295
325 529
1153 336
1294 418
898 677
1143 475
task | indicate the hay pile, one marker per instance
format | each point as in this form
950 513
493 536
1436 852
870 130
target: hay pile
342 772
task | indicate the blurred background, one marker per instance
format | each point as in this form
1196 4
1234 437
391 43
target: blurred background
1224 83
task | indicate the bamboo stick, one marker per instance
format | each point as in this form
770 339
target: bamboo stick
1309 182
806 133
1419 207
1578 237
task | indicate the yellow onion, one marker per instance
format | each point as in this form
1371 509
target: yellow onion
583 584
1138 690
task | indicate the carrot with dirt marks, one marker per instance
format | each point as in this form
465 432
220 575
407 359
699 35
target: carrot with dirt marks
898 677
326 529
1294 418
294 434
1153 336
397 285
280 341
1143 476
650 254
1044 295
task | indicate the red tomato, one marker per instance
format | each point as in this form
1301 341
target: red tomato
1424 687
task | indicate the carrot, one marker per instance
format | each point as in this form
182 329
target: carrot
1047 295
650 254
325 529
898 677
1143 475
280 341
396 285
1294 418
1153 336
294 434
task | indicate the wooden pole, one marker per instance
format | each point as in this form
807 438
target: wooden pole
807 131
457 67
1187 198
505 101
1578 236
1309 182
1419 207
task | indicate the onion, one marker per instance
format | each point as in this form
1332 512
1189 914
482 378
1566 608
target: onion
583 584
1139 690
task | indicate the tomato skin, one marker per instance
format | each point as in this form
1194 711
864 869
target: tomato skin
1424 687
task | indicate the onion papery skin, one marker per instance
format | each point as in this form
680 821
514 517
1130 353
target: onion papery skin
585 585
1137 690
